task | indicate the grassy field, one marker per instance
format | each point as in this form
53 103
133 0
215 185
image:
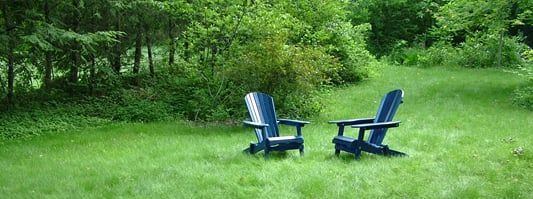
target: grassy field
463 137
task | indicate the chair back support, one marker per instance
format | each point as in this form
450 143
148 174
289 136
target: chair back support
387 110
261 109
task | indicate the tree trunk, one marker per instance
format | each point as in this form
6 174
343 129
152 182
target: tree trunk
47 78
48 69
500 46
214 51
92 74
138 52
76 54
116 62
150 59
10 73
117 65
74 67
2 86
10 29
186 51
172 45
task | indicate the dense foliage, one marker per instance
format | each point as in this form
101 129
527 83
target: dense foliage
149 60
523 96
475 34
195 59
396 23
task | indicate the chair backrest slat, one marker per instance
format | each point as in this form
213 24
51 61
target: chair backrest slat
261 109
387 109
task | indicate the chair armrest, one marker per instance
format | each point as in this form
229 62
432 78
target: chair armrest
378 125
254 124
342 123
293 122
262 127
352 121
296 123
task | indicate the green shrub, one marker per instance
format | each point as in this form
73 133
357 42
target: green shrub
441 54
349 45
523 97
528 55
291 74
138 104
41 120
482 51
283 49
415 56
411 56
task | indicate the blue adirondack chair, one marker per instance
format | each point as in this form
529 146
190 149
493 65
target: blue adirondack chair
264 120
378 127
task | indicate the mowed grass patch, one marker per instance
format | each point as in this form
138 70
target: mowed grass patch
458 126
463 136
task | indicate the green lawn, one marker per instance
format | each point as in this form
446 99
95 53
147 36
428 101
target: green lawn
458 127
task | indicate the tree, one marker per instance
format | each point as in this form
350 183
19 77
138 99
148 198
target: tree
10 29
395 21
178 17
83 47
482 23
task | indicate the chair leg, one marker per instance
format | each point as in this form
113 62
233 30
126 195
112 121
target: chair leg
358 153
266 153
250 150
337 152
301 150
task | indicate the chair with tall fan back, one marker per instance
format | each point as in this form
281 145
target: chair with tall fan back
378 127
265 123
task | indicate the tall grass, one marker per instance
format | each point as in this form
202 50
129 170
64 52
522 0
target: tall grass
463 137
